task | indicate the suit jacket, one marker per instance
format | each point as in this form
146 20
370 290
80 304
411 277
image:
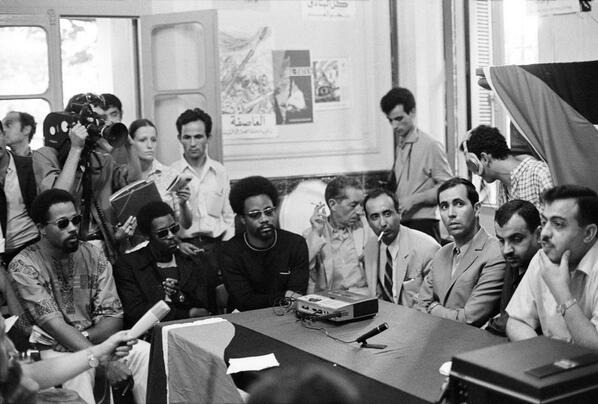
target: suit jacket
139 284
322 256
416 250
472 294
24 166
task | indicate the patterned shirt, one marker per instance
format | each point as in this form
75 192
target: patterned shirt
528 180
79 288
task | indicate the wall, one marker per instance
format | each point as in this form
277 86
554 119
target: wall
421 61
568 37
349 140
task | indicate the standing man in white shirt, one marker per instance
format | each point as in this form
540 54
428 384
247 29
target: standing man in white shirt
420 165
213 217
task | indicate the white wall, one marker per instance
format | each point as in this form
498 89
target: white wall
421 61
352 139
568 37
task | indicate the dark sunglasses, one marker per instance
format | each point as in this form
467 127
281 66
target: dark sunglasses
256 214
163 233
63 222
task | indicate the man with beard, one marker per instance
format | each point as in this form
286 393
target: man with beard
66 287
559 291
395 262
335 243
465 277
420 166
517 225
262 265
160 271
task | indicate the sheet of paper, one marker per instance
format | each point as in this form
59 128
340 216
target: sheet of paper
9 322
252 363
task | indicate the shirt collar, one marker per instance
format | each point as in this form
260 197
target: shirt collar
348 229
209 165
589 260
11 163
411 137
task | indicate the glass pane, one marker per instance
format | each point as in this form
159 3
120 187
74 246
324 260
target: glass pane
98 57
177 52
23 60
167 109
37 107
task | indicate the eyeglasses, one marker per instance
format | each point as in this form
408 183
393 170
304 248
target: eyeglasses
256 214
63 222
163 233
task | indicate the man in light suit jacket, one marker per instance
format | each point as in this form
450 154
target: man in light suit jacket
336 242
465 278
396 260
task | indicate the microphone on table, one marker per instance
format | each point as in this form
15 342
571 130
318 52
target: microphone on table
362 339
152 317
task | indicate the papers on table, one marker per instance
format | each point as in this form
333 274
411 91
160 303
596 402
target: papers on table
252 363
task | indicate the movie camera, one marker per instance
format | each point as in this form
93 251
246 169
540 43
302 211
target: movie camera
81 109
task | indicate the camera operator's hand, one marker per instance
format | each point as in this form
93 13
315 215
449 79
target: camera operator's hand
77 135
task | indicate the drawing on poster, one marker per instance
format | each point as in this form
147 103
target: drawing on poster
293 100
330 83
246 82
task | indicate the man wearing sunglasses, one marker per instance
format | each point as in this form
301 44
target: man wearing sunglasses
159 271
67 288
17 192
263 264
521 176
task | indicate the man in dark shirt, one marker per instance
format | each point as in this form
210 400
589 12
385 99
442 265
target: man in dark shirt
517 225
262 265
160 271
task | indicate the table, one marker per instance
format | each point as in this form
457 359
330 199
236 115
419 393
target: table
407 370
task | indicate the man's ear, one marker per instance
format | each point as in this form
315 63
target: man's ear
242 219
590 232
485 158
41 228
476 208
27 130
332 204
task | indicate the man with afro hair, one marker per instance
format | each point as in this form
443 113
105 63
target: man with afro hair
263 264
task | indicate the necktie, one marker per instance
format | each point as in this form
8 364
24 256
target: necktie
387 285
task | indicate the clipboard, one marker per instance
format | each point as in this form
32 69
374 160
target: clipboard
128 200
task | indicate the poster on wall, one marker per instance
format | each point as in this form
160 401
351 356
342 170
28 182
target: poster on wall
330 83
293 100
246 82
328 9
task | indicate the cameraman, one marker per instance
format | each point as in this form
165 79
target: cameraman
83 167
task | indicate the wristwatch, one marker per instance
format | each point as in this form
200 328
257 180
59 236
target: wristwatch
85 334
92 361
563 307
